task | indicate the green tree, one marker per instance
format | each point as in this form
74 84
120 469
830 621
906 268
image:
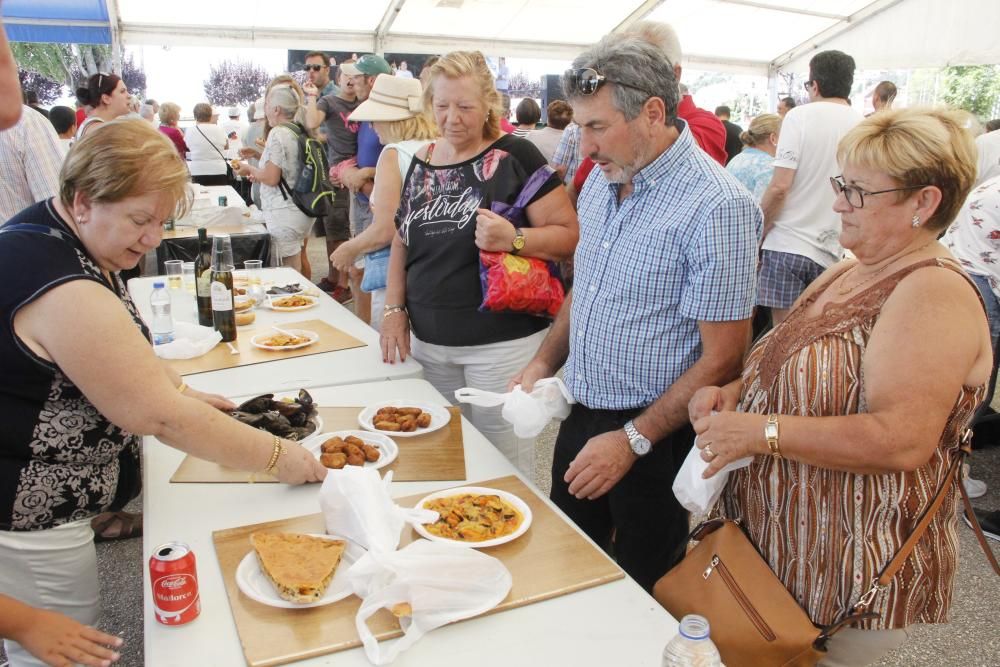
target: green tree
48 91
974 88
232 83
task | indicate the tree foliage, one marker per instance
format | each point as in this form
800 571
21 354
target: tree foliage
521 86
134 77
234 83
48 91
974 88
71 64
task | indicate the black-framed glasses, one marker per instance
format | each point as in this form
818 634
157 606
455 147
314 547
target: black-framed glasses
588 80
313 68
856 196
807 84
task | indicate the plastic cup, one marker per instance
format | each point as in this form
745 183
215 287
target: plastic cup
175 273
254 279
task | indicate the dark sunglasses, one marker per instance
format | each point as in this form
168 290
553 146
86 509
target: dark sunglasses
586 81
856 196
313 68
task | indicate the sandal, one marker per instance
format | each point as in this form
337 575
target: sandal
116 526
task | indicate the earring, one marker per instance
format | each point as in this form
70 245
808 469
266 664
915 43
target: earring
915 221
79 219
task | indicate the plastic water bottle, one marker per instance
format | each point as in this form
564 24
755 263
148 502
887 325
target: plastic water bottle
163 323
691 647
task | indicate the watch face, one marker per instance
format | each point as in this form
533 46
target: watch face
770 431
518 242
640 446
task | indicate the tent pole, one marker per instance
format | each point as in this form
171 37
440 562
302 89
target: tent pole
391 12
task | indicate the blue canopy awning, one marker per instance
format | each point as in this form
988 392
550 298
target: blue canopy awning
60 21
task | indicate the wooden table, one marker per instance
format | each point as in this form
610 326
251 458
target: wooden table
612 624
363 364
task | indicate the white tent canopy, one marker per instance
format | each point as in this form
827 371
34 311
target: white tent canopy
749 36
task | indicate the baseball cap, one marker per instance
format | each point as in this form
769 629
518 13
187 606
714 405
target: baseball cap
368 64
258 109
232 112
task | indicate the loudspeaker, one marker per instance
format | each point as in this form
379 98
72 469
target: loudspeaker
552 90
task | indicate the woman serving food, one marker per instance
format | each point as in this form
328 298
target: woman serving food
79 383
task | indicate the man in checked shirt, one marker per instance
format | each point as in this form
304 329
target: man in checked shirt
665 288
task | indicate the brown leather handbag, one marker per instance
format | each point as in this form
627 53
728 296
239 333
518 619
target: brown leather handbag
754 620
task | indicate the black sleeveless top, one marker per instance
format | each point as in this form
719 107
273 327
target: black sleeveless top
60 459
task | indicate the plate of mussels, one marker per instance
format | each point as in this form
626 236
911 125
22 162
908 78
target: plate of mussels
291 416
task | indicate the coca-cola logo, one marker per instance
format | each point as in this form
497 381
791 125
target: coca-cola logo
174 582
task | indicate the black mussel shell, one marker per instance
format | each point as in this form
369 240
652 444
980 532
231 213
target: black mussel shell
257 404
305 399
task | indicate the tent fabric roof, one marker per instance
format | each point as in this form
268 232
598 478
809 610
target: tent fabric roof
751 36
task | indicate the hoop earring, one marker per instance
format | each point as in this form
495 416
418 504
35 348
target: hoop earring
915 221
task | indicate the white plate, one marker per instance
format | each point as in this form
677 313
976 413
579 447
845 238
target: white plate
303 333
518 504
439 417
256 586
385 444
289 309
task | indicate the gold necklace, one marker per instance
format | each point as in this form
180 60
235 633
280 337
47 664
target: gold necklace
842 291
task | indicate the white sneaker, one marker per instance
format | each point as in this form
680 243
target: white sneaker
975 488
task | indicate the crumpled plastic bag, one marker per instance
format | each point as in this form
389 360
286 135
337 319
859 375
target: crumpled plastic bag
527 413
205 215
190 341
698 495
440 583
356 504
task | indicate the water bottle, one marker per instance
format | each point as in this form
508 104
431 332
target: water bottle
691 647
163 323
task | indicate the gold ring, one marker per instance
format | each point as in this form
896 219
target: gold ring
708 450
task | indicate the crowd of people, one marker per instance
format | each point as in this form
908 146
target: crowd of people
711 297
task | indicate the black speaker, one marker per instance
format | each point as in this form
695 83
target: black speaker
552 90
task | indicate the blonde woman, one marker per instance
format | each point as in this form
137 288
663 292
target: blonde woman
444 219
853 406
395 109
289 227
753 165
170 115
79 383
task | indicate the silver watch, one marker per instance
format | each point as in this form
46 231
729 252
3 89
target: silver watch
639 443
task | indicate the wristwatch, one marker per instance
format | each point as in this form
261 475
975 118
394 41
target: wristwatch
771 435
639 443
517 245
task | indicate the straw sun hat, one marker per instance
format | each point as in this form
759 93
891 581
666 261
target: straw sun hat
391 98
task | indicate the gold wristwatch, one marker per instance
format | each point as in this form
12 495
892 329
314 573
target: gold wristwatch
517 245
771 435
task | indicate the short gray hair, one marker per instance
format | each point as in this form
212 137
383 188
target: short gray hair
288 101
634 69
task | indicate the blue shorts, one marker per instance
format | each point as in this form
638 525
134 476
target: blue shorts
783 277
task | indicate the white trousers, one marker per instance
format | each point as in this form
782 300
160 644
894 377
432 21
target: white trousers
488 367
54 569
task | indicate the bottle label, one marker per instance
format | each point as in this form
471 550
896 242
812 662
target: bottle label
204 281
222 298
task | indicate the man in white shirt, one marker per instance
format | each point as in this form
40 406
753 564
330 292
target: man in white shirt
30 159
988 146
801 230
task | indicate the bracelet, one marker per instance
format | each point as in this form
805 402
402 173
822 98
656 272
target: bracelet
392 311
182 388
279 449
771 435
394 306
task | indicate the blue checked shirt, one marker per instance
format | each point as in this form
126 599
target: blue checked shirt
682 247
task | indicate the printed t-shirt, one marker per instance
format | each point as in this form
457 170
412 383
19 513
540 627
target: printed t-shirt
341 134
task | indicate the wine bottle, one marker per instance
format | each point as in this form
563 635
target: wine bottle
221 288
203 279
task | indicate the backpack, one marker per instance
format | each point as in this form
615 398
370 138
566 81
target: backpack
312 193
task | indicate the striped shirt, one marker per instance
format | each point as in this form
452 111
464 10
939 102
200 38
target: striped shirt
681 248
30 160
568 151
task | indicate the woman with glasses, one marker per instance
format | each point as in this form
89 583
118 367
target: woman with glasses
444 220
107 98
853 407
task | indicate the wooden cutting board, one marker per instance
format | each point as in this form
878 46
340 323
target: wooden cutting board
437 456
549 560
331 339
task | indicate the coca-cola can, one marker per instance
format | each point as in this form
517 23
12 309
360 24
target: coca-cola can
174 578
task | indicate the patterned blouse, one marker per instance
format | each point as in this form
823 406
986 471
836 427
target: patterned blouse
827 533
61 460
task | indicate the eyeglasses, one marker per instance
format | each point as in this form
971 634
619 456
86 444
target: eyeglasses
856 196
313 68
808 84
586 81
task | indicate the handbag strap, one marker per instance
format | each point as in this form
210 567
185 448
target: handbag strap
881 581
210 143
533 185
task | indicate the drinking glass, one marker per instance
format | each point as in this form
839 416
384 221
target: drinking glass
255 285
187 273
175 270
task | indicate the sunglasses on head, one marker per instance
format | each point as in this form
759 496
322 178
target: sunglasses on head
313 68
587 80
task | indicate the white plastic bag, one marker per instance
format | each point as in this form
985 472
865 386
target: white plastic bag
441 583
190 341
527 413
356 504
696 494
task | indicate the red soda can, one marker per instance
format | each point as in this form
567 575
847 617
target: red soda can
174 578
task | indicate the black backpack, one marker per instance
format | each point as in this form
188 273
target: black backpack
312 193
